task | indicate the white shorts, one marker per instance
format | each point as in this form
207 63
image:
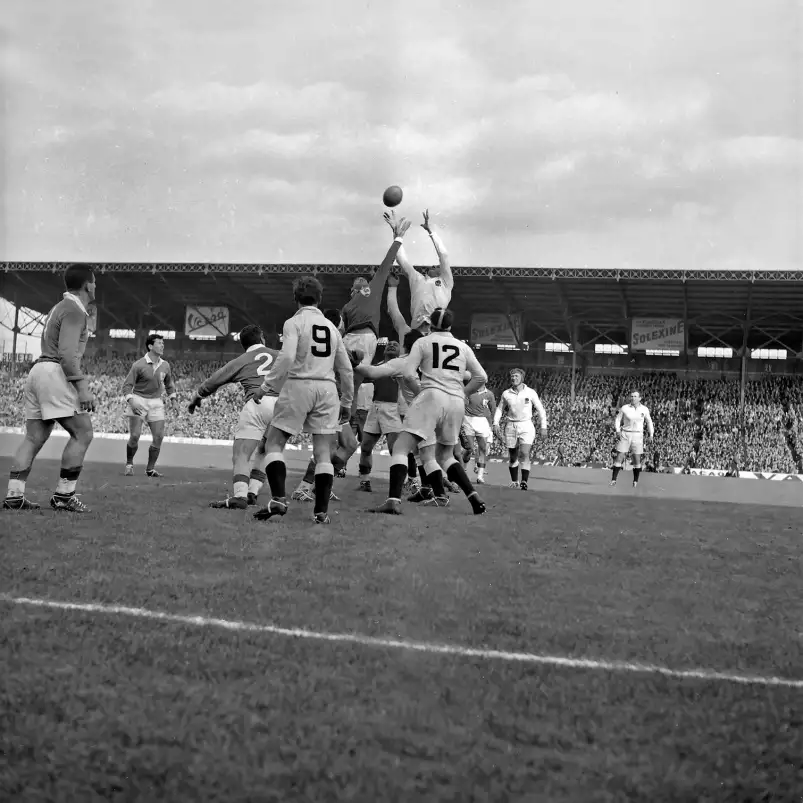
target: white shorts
403 405
517 432
435 411
48 395
364 341
255 419
631 442
383 419
477 426
309 405
154 409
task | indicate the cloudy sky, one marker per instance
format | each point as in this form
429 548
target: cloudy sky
610 134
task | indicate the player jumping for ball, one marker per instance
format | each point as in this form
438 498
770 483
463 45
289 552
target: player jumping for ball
147 380
312 351
57 390
520 403
248 453
430 292
439 406
629 425
362 313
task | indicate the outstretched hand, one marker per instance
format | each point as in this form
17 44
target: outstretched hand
398 226
425 225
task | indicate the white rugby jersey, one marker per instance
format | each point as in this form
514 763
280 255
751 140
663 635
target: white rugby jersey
632 419
427 293
312 348
520 405
443 360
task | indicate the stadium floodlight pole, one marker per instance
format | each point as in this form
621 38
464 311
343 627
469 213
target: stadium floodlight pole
14 333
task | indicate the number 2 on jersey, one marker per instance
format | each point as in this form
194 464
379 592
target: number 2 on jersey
321 341
267 359
450 354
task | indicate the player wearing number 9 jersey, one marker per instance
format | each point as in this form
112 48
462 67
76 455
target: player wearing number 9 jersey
312 353
442 360
249 371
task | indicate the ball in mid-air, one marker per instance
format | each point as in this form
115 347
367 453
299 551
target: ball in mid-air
393 196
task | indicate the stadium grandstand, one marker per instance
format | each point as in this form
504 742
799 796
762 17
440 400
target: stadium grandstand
717 355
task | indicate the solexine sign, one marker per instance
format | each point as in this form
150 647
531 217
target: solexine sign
495 329
664 334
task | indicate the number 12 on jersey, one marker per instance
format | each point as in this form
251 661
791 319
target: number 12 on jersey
448 353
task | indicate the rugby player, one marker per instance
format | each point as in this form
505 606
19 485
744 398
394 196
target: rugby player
147 380
429 292
438 406
248 453
629 425
312 351
520 403
383 417
480 411
362 313
57 390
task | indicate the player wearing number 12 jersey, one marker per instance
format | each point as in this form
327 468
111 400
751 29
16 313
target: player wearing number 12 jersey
248 454
442 361
312 351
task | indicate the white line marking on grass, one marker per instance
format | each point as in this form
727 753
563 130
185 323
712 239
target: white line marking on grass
415 646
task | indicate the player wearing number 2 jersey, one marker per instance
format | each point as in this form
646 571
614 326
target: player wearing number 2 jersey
442 361
248 455
312 351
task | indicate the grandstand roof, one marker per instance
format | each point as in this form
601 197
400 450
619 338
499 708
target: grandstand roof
552 300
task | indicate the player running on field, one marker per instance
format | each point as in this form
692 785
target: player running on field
312 351
520 403
57 390
248 453
629 425
430 292
480 411
148 379
442 360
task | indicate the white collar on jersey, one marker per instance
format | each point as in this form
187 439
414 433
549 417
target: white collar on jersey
149 359
254 347
78 301
309 309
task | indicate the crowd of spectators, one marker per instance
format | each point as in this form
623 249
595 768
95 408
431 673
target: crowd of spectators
697 422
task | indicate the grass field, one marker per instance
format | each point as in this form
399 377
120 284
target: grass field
108 704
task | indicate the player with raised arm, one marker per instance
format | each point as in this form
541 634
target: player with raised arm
57 390
312 351
629 425
480 411
430 292
362 313
520 403
248 454
147 380
439 406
